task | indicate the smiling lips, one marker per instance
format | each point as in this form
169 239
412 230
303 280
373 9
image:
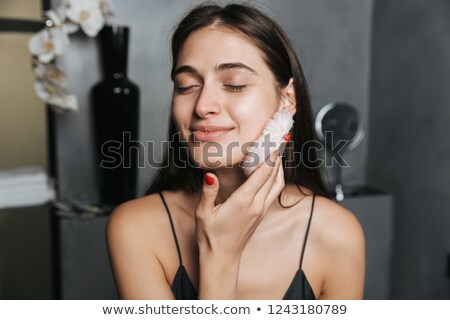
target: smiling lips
209 133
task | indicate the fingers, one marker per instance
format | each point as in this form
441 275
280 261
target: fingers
261 195
209 193
258 178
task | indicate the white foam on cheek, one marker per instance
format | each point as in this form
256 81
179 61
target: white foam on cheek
276 128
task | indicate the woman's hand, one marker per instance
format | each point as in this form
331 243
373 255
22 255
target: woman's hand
225 229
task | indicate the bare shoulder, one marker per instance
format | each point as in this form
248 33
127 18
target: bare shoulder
136 246
338 226
137 222
147 217
335 227
340 238
136 215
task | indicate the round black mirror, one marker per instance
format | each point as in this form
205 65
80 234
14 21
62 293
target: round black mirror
336 123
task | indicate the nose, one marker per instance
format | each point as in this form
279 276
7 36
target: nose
207 102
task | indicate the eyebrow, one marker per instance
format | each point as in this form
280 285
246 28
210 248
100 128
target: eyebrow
221 67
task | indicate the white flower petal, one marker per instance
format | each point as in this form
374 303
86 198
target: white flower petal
72 14
35 44
72 102
73 10
48 42
65 102
40 90
77 4
69 27
94 24
53 15
39 70
61 10
60 40
76 7
50 73
73 5
46 57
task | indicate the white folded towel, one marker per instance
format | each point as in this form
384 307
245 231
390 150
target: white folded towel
25 186
22 175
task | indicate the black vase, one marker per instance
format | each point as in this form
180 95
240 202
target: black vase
115 106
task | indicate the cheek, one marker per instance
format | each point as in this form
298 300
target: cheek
252 114
181 118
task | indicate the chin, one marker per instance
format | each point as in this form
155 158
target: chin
215 153
215 163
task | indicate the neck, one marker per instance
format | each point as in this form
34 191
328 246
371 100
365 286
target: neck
231 179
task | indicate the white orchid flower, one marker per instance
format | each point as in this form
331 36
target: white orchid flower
87 14
55 95
66 102
48 43
46 89
50 72
53 41
58 18
69 27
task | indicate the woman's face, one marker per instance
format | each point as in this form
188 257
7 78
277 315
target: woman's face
221 85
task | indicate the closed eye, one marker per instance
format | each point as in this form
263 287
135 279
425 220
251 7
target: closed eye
184 89
235 88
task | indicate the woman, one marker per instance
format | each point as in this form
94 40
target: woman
207 231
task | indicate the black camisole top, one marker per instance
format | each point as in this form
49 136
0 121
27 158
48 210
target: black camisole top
183 289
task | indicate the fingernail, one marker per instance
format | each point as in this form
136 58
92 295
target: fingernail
209 180
287 137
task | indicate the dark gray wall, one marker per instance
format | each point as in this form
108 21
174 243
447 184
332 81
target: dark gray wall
332 39
409 142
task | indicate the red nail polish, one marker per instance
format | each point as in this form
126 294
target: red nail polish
287 137
209 180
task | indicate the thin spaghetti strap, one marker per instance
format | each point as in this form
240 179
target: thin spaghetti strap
172 226
307 230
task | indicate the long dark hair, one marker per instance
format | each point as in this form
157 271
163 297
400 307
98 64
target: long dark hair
282 60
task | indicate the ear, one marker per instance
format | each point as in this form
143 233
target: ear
289 100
